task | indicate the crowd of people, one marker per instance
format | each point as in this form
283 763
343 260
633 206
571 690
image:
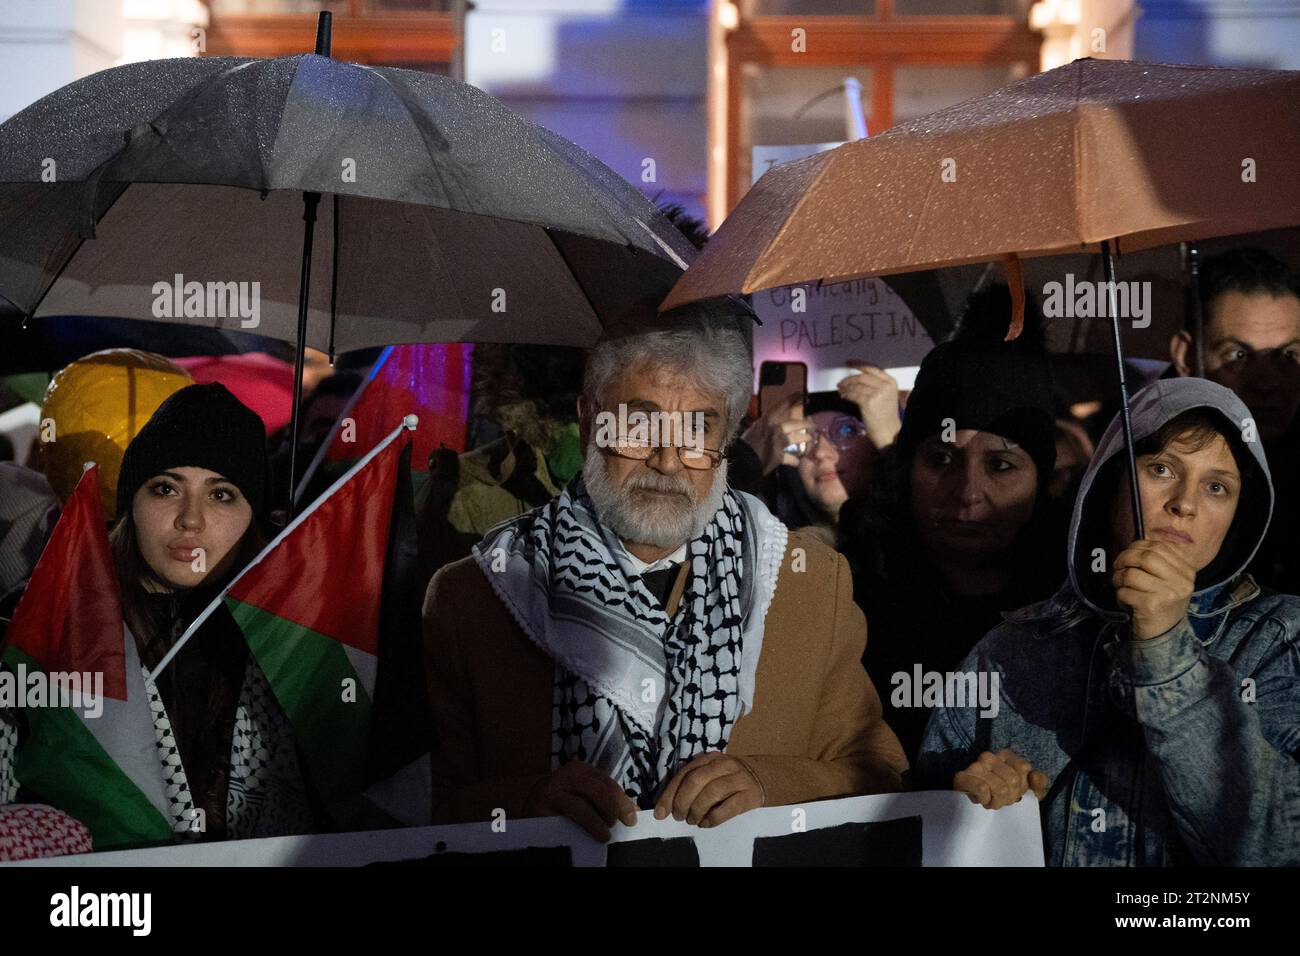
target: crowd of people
741 616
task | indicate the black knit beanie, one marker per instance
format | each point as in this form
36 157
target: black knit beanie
201 426
831 402
985 384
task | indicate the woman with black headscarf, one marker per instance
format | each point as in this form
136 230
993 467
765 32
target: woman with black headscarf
958 526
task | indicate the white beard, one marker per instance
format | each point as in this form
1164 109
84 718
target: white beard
660 521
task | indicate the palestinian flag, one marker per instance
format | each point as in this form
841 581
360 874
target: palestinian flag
331 611
101 768
432 381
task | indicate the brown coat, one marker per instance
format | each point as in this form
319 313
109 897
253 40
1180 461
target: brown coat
815 730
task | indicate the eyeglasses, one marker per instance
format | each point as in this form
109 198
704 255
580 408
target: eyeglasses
843 433
699 459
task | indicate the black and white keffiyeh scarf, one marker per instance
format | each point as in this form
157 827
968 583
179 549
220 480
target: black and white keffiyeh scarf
638 694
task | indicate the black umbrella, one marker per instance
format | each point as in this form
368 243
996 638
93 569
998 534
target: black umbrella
177 190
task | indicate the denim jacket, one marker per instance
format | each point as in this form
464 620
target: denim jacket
1158 752
1178 749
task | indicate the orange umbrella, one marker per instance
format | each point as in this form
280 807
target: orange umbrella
1091 155
1143 154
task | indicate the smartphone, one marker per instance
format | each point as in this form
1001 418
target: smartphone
778 382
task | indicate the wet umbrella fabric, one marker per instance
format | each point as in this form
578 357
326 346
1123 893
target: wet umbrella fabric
1097 150
171 189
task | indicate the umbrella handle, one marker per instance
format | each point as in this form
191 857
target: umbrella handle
1112 306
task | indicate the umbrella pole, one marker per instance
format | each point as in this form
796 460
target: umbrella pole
310 201
1112 306
1193 265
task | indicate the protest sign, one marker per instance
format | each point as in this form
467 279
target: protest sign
829 325
933 828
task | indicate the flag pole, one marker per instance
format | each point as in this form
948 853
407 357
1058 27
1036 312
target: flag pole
409 423
338 424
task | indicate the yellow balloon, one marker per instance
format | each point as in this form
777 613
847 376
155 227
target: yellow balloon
92 410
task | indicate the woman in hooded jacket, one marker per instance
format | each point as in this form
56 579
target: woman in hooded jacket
1153 703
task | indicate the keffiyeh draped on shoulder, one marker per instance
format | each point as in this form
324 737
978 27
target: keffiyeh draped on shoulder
638 694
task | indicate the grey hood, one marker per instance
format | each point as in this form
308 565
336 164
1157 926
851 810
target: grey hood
1151 408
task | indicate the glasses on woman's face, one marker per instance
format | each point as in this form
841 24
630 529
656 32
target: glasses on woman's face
843 432
699 459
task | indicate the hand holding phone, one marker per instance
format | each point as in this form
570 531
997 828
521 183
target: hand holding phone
780 432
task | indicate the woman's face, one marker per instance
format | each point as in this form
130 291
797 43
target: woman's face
1189 498
831 474
973 495
189 522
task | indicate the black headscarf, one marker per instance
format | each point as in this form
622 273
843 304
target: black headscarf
978 381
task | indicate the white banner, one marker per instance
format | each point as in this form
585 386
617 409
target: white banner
934 828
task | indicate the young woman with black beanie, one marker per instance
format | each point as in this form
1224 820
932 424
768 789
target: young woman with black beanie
193 504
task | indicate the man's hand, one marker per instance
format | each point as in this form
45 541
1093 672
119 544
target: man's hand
709 790
586 796
1155 582
779 427
875 392
1000 779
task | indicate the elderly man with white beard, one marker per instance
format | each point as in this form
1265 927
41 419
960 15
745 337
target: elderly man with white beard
650 639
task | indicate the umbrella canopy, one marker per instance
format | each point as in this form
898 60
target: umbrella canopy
1096 150
172 189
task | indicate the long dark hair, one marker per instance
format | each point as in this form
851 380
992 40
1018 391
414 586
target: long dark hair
789 500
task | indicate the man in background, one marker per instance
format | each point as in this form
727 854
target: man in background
1251 342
